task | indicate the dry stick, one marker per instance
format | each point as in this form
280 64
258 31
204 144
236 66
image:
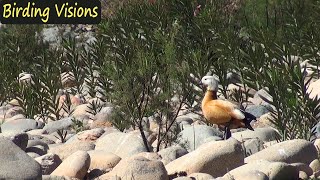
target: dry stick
174 119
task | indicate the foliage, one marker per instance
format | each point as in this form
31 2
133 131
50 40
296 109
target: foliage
149 56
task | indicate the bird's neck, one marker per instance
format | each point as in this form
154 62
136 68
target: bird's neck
209 96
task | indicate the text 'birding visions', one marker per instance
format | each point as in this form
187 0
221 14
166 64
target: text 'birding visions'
50 11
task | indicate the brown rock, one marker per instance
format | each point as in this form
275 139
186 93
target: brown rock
315 165
76 165
101 159
65 150
138 168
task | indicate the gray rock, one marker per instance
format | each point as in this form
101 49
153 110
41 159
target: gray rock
53 126
121 144
194 136
252 146
16 164
264 134
20 125
48 162
291 151
258 110
171 153
215 158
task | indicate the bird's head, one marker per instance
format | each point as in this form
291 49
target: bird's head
210 82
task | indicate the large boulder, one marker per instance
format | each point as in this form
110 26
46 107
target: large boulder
122 144
75 166
264 134
274 170
20 125
194 136
65 150
138 168
291 151
215 158
15 163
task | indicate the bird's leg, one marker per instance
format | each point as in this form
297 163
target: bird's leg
227 132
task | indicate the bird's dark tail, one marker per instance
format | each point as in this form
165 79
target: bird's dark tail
248 118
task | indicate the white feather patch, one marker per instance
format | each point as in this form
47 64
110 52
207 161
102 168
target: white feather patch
238 114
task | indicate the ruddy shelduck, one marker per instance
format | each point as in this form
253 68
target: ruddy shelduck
221 112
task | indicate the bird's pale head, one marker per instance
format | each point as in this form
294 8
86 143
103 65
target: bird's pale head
210 82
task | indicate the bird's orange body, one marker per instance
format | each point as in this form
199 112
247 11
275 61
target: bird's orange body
221 112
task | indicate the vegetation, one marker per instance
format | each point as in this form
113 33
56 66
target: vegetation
150 55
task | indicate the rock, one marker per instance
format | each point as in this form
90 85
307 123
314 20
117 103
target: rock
303 167
16 164
13 111
274 170
138 168
171 153
201 176
101 159
264 134
82 110
41 150
122 144
264 121
52 177
215 158
184 118
19 139
95 173
20 125
254 175
65 150
15 117
152 156
258 110
252 146
54 126
48 162
68 80
257 100
37 132
315 165
303 175
194 136
75 166
88 135
314 90
182 178
33 155
317 145
291 151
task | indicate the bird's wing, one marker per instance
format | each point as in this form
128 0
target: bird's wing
215 114
229 107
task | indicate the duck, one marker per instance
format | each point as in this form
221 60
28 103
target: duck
224 113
